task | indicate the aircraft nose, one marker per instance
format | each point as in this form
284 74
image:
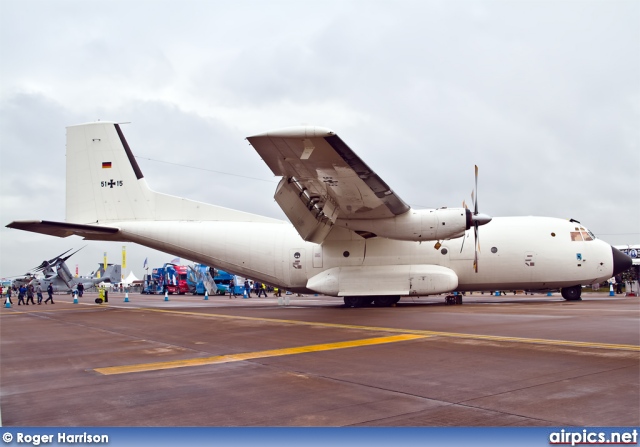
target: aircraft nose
621 262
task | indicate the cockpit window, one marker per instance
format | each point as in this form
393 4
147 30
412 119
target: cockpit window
586 234
582 234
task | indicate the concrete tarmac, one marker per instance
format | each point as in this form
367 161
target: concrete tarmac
493 361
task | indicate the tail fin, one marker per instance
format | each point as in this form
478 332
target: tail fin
113 274
105 183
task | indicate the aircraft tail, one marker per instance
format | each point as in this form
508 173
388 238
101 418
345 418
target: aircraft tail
104 181
113 274
105 184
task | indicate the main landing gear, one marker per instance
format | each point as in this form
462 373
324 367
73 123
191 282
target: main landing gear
572 293
452 299
377 301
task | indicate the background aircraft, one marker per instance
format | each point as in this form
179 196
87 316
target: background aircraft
56 273
350 234
23 280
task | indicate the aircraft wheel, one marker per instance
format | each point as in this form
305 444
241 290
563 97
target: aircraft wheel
353 301
572 293
385 301
98 300
367 300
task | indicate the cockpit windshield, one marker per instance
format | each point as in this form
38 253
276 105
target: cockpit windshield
582 234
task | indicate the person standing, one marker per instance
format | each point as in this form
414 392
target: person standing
39 293
50 293
80 289
21 292
618 284
30 294
247 288
232 289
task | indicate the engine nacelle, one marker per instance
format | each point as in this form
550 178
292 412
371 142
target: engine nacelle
415 225
391 280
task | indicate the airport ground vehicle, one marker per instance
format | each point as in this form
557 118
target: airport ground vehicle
169 278
223 279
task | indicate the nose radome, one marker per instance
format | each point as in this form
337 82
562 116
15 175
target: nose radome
621 262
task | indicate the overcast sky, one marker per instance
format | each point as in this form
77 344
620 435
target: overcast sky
543 95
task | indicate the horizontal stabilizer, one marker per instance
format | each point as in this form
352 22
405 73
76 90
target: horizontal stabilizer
63 229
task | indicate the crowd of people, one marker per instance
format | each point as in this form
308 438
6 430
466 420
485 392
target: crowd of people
27 291
258 288
30 294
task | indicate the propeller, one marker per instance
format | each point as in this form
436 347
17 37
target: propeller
476 220
45 264
55 260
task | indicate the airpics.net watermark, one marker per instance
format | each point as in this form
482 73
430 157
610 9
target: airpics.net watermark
60 438
589 437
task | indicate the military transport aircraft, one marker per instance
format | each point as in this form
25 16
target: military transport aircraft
350 235
57 274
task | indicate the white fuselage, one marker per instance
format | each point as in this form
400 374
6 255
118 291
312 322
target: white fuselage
516 252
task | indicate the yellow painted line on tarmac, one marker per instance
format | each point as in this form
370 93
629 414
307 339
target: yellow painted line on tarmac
498 338
253 355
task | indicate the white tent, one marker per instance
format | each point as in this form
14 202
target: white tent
129 279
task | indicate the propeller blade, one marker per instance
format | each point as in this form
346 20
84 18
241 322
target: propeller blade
475 262
463 239
57 257
67 257
475 208
50 262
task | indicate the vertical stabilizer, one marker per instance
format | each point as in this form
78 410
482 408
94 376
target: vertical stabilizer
113 274
104 182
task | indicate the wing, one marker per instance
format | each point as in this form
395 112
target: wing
331 181
322 163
